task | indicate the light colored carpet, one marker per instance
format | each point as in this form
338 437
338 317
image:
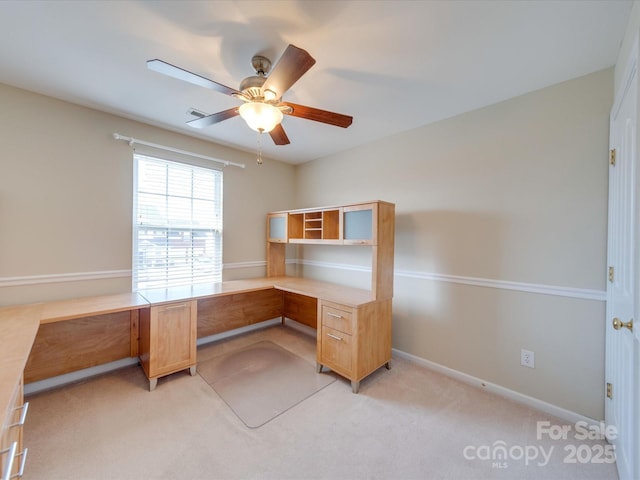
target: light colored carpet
262 381
406 423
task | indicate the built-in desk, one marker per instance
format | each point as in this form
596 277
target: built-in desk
353 328
160 326
49 339
235 304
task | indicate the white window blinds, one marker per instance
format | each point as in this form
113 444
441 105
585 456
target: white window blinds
177 224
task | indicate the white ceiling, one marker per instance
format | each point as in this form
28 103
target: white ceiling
392 65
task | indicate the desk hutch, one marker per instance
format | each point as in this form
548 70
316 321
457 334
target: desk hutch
352 340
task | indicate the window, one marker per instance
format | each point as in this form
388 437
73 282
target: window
177 224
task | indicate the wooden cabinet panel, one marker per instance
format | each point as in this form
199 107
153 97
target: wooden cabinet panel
336 351
361 224
64 347
332 225
296 226
277 227
277 253
174 342
354 341
168 339
220 314
300 308
337 317
383 253
374 337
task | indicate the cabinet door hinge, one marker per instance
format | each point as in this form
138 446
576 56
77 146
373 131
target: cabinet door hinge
612 156
611 273
609 390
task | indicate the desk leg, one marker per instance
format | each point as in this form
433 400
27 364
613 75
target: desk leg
355 386
318 368
192 370
153 383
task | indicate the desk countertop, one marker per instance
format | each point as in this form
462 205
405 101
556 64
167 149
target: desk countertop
331 292
18 328
89 306
203 290
312 288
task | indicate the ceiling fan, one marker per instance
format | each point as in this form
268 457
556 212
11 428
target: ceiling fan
263 108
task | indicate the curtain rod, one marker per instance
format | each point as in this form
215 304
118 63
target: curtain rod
133 141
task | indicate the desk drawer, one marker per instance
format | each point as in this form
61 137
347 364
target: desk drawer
336 350
12 454
337 318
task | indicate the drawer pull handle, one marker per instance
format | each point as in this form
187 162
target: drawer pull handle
334 337
23 462
23 415
334 315
171 307
8 466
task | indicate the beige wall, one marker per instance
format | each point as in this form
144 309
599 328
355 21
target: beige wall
514 192
66 193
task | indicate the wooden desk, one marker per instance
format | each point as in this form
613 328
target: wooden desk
354 329
53 338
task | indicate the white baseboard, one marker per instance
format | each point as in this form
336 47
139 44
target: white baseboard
78 375
300 327
238 331
532 402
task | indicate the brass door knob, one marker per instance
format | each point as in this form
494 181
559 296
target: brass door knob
618 324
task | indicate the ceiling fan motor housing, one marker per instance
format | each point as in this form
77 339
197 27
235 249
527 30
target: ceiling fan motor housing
262 65
252 86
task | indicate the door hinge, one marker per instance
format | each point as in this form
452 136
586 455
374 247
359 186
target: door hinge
611 272
612 156
609 390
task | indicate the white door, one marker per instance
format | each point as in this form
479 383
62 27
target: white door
621 371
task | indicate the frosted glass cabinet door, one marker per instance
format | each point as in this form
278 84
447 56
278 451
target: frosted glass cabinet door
360 224
277 227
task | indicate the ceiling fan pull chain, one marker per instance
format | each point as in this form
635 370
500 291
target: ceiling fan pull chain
259 160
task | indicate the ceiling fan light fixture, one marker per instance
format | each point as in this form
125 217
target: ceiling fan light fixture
261 117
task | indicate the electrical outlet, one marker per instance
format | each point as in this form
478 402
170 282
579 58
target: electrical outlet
527 358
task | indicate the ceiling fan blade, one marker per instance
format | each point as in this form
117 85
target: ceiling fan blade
181 74
213 118
293 63
317 115
279 136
